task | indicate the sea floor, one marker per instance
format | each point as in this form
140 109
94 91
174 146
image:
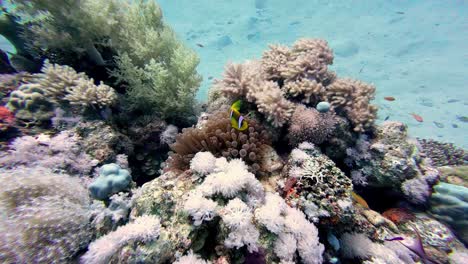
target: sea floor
415 51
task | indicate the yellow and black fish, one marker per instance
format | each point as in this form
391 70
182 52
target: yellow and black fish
237 120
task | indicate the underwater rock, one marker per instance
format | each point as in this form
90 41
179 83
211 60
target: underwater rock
392 159
102 141
321 189
162 197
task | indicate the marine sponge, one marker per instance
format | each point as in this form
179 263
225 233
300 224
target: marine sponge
112 179
218 137
308 124
45 216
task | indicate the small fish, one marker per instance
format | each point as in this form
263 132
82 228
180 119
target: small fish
389 98
394 239
210 77
439 125
462 118
237 120
417 117
386 118
416 245
400 12
358 199
454 125
453 101
200 45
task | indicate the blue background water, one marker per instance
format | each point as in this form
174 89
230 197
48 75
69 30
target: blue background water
415 51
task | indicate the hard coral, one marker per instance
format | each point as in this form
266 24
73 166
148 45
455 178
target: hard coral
443 154
307 124
321 189
218 137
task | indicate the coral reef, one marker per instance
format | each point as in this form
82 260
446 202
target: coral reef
285 77
443 154
61 153
295 171
142 229
391 159
308 124
106 36
45 216
319 188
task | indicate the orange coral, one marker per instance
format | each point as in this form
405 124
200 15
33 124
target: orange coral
218 137
7 118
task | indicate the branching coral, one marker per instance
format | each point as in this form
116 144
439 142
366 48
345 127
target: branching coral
353 97
286 76
58 84
159 76
244 80
218 137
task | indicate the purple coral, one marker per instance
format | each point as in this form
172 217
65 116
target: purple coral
59 153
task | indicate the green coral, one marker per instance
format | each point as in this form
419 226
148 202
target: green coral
30 103
128 39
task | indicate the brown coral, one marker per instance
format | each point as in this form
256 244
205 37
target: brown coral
310 91
218 137
308 124
352 97
286 76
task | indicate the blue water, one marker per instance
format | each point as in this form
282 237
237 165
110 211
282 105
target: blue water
415 51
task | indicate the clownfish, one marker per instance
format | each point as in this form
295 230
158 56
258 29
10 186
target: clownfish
237 120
